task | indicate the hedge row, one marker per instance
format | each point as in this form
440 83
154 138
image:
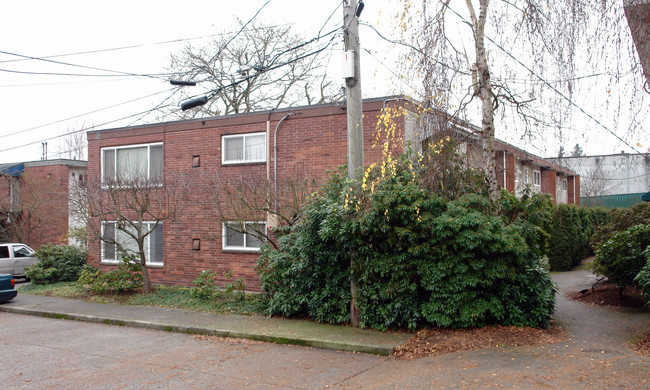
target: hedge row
571 230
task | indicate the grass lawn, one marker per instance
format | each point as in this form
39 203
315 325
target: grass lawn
162 296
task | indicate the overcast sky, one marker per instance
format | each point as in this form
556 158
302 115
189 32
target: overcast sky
37 107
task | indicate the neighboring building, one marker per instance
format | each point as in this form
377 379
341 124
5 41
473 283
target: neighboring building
616 180
264 146
35 200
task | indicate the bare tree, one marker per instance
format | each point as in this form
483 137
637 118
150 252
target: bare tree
516 60
29 203
263 67
74 144
239 200
127 214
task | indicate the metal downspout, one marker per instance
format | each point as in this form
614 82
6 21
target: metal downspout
275 161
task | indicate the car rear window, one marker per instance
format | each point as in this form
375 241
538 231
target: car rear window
4 252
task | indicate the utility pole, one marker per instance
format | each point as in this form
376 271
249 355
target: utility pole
351 12
353 90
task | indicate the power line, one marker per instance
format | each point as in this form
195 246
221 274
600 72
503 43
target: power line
73 132
81 66
120 48
80 115
87 75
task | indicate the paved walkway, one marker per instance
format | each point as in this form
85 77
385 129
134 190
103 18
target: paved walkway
278 330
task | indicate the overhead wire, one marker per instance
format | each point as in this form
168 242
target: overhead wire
79 66
86 113
211 93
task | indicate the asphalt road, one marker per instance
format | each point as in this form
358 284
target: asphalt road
45 353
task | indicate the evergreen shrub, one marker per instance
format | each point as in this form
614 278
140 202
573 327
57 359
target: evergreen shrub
623 256
420 257
58 263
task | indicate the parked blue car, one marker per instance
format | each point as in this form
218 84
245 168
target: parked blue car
7 290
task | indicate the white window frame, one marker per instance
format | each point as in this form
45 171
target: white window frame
117 255
243 136
537 178
120 147
245 248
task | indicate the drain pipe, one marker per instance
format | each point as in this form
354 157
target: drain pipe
275 160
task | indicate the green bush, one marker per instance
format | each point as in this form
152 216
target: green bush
532 213
58 263
206 287
567 244
623 256
642 279
621 219
126 278
310 273
418 259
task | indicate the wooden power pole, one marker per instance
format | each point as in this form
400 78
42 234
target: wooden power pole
355 119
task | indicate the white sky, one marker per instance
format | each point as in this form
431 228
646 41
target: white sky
40 28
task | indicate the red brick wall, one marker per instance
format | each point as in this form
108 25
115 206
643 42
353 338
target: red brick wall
44 198
549 183
308 143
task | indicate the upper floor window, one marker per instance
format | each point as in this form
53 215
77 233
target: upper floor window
132 163
244 148
537 178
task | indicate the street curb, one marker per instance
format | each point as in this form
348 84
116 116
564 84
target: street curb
277 339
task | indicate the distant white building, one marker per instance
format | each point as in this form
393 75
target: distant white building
616 180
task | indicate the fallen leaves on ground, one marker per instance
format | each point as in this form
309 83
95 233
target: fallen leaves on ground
608 295
431 342
642 346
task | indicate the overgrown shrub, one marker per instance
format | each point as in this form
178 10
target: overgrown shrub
642 279
621 219
126 278
532 213
58 263
418 258
623 256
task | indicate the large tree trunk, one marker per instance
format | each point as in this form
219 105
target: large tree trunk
484 92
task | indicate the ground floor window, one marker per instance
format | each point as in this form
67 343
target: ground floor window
243 235
153 244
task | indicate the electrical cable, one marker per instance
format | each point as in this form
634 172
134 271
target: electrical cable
81 66
87 113
73 132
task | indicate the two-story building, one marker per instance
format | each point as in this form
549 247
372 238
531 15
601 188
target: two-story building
266 147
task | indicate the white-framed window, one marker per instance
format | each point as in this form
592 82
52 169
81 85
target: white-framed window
564 184
243 148
144 161
153 243
234 238
517 173
537 178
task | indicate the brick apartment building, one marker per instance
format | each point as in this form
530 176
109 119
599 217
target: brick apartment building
274 144
35 201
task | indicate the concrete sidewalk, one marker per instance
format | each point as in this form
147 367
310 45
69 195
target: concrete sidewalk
276 330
